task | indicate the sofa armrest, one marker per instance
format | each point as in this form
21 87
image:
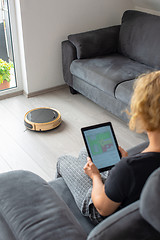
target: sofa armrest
31 209
69 54
96 43
149 200
124 224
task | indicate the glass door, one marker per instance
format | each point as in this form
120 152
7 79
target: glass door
7 66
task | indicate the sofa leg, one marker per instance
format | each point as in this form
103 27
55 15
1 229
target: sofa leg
72 90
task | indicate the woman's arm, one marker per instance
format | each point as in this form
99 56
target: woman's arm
102 203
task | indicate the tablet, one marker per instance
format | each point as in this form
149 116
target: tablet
102 146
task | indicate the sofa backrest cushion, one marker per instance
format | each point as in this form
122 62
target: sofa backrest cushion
150 200
139 37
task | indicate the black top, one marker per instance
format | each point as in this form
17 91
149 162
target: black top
127 178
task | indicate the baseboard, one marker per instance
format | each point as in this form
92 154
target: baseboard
13 94
33 94
36 93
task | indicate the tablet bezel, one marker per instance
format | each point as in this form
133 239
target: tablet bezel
86 144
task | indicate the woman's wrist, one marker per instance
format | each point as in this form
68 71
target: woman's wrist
96 176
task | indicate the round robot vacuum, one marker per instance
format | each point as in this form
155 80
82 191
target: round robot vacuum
42 119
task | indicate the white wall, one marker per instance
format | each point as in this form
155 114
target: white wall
46 23
1 16
151 6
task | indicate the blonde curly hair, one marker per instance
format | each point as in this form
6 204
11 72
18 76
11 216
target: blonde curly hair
145 103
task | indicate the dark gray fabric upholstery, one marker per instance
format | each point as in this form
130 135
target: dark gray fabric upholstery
32 210
106 73
96 43
108 80
5 231
126 224
124 91
63 191
150 200
103 99
68 55
137 149
140 36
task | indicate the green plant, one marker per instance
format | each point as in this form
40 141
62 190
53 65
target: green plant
5 71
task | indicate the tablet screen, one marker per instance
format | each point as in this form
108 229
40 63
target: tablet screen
101 145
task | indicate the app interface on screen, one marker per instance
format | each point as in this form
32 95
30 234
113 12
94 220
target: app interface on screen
102 146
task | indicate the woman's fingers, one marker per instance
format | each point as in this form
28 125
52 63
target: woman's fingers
123 152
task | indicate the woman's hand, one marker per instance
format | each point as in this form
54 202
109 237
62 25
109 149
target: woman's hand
102 203
123 152
90 169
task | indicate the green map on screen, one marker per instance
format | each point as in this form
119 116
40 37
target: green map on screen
100 143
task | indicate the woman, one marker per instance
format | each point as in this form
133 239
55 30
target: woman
126 180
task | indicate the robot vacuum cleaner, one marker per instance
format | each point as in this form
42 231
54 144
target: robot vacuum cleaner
42 119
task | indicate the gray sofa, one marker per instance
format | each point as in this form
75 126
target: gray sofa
103 64
32 209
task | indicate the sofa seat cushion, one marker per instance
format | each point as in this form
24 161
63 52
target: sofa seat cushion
63 191
139 37
105 73
32 209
